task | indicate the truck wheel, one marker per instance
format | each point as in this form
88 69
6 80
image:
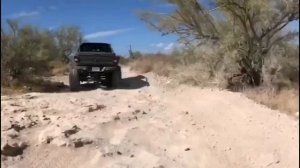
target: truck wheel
116 78
74 80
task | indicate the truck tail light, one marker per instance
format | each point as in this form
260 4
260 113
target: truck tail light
116 59
76 59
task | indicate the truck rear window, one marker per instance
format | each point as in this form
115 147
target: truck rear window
95 47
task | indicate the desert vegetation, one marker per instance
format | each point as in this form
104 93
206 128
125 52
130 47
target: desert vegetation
240 45
233 44
241 35
191 106
29 53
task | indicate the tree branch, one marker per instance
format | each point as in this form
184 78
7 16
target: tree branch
252 25
243 22
277 30
281 38
270 29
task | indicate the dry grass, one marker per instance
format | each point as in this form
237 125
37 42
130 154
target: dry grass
34 83
286 100
41 85
31 85
11 91
59 69
196 74
157 63
124 61
193 74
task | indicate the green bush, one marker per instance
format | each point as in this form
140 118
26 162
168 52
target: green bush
28 51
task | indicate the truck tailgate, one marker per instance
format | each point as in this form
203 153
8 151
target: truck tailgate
96 59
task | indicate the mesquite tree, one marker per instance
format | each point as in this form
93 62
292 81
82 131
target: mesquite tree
256 27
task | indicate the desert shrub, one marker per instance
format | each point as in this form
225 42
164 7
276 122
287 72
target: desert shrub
285 100
124 60
34 84
58 68
158 63
282 71
28 51
135 55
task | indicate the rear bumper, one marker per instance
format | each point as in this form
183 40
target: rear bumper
98 69
87 73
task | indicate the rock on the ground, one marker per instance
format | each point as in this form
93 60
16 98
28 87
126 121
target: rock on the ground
48 134
29 96
82 138
92 108
71 131
81 142
13 149
17 127
12 133
44 105
45 139
116 117
60 141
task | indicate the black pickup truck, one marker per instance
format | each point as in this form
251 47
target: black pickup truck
94 62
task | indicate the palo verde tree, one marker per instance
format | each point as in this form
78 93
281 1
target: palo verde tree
255 27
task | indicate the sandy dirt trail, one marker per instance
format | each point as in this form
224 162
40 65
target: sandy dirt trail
145 124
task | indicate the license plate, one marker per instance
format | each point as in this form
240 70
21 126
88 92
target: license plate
95 69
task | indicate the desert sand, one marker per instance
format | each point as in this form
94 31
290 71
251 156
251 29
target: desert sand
147 123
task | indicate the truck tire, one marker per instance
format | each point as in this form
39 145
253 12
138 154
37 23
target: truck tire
107 81
74 80
116 78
